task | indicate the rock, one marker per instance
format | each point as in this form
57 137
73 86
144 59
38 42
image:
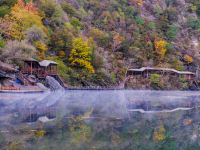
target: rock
53 83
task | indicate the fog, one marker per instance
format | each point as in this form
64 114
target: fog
111 103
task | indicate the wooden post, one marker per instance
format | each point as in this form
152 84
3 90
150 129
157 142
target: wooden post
31 67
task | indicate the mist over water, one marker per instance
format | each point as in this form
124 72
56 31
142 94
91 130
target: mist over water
97 116
116 103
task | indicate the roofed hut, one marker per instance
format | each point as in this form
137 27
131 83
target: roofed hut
147 71
31 66
48 67
40 69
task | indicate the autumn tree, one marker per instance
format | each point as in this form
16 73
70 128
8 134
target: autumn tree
81 55
137 2
18 20
188 59
159 133
160 47
38 38
117 40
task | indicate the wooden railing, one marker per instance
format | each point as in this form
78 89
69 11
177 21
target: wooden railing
38 71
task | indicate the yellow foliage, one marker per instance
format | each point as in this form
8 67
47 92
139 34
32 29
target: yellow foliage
160 47
188 59
41 46
81 55
159 134
20 19
94 32
40 133
61 54
42 49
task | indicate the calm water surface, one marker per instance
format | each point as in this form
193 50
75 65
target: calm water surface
100 120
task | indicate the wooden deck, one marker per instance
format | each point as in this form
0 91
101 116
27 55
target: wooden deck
22 91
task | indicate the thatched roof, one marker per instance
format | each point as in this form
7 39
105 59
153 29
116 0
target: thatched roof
7 67
161 69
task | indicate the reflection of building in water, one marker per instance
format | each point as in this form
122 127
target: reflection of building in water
32 114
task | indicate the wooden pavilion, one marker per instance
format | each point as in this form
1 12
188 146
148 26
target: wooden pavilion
147 71
40 69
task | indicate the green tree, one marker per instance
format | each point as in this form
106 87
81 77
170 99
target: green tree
5 6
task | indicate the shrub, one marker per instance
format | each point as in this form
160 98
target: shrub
194 23
4 10
188 59
160 47
159 134
155 78
151 25
183 83
15 51
177 64
69 9
2 42
76 23
48 7
100 37
5 6
171 32
97 60
193 8
139 20
35 34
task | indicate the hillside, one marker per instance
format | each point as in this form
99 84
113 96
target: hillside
95 41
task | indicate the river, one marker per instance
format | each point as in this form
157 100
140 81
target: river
100 120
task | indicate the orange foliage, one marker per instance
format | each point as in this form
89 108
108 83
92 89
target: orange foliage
20 19
29 6
117 40
187 122
137 2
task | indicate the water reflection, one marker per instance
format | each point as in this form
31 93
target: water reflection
100 120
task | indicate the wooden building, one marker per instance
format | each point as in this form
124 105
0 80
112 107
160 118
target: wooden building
31 66
147 71
40 69
48 67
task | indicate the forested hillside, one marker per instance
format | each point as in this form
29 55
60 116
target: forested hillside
95 41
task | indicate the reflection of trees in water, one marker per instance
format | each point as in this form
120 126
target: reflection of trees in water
159 131
83 123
